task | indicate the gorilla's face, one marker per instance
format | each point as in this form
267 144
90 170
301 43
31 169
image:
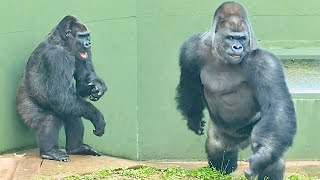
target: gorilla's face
77 37
232 41
83 45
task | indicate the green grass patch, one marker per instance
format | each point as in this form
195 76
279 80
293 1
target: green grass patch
138 173
297 176
173 173
145 172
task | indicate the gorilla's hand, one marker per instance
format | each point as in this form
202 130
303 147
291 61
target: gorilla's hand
196 127
99 128
260 159
249 173
97 90
98 122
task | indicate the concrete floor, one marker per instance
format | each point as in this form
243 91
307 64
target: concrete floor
30 166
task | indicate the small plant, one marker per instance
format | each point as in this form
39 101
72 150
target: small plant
93 176
207 173
138 173
173 173
296 176
40 178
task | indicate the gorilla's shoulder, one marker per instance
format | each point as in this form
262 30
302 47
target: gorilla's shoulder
194 37
264 59
262 53
192 42
189 51
57 51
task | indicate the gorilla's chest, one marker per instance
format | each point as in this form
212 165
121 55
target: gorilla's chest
228 94
222 80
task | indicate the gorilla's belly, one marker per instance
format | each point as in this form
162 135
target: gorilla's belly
235 107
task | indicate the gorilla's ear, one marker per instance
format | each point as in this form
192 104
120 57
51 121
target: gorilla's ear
68 33
206 39
65 25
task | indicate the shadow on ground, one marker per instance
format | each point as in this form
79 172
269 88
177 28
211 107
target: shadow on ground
30 166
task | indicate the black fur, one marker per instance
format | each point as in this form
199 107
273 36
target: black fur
190 90
246 96
46 97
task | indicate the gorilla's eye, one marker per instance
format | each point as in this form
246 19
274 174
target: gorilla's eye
82 35
230 37
242 38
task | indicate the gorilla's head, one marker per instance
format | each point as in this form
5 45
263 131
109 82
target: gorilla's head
232 36
76 36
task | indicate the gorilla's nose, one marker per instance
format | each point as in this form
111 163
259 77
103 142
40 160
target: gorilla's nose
238 48
87 44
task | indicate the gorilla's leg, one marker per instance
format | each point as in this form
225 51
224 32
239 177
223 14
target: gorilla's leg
46 124
222 150
274 171
223 161
74 137
47 137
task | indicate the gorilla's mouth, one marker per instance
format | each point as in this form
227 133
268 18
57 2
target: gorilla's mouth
234 55
84 54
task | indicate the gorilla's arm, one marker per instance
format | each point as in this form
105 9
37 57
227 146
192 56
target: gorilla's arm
190 89
61 96
274 133
87 82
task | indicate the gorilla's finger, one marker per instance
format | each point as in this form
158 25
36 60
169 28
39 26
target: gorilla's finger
249 174
93 98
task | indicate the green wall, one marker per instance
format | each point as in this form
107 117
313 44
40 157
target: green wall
135 49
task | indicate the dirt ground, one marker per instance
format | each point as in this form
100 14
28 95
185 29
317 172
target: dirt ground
30 166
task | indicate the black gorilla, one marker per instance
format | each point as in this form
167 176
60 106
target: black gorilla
46 97
245 92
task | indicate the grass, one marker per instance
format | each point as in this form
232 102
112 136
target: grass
145 172
301 177
175 173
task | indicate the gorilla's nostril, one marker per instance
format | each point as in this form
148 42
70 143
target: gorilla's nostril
87 44
237 47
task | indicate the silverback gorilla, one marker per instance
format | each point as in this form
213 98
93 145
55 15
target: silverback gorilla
46 97
244 90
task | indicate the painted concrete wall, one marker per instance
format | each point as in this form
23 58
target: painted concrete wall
135 49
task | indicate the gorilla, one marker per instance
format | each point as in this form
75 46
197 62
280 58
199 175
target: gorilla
47 98
244 90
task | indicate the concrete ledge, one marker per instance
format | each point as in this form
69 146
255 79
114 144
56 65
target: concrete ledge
296 53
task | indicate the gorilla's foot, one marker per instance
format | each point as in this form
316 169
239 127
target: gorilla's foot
84 149
55 154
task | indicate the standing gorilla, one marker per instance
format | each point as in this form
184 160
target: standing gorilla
47 98
245 92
